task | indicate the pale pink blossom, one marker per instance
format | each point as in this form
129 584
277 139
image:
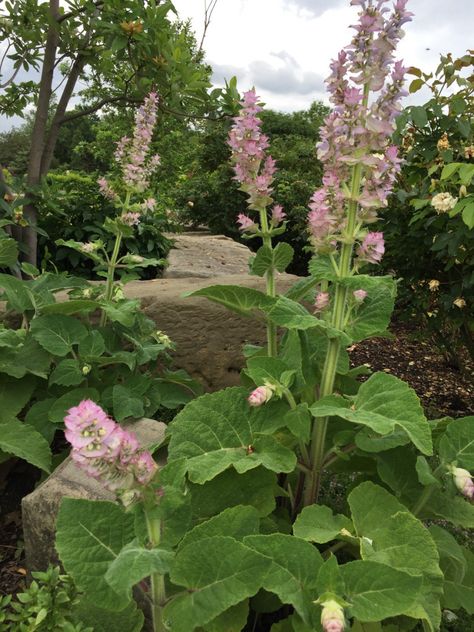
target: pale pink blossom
245 222
131 219
372 248
107 452
260 395
278 214
359 295
332 617
463 481
106 189
321 302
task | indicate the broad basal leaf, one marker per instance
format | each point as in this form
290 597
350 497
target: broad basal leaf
377 591
218 574
384 403
89 614
90 535
391 535
8 252
460 594
242 300
67 373
317 523
14 395
220 430
236 522
68 400
293 571
57 333
22 440
455 509
126 404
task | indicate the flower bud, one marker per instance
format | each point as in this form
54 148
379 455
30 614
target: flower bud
359 295
332 617
462 191
86 369
260 395
459 302
321 301
463 481
433 285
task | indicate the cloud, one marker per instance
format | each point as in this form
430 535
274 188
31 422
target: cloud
285 79
222 72
316 7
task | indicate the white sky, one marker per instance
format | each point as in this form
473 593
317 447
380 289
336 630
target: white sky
284 47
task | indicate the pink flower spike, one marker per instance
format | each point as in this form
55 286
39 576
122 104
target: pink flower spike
260 396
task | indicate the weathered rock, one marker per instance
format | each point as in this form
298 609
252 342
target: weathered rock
209 338
40 508
202 255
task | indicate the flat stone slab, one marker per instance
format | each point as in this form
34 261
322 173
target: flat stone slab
202 255
209 337
40 508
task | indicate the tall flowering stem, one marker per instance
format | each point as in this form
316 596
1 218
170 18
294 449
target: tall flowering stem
254 170
135 166
360 168
112 455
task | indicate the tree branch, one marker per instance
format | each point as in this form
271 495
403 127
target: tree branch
72 14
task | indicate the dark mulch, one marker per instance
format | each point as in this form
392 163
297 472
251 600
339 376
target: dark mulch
442 389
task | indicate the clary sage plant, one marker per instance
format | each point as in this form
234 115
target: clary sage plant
241 530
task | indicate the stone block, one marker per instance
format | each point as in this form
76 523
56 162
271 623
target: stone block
198 254
41 507
209 337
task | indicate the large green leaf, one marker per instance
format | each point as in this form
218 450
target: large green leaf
460 594
292 315
232 620
292 575
218 574
455 509
384 403
93 345
236 522
391 535
268 258
242 300
68 400
57 333
457 443
130 619
24 441
126 403
67 308
18 293
67 373
373 315
89 536
135 563
317 523
8 252
14 395
377 591
452 560
220 430
256 488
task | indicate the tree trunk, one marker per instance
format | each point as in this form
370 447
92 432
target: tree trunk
38 137
61 108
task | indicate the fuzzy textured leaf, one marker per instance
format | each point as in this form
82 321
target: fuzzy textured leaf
317 523
384 403
24 441
457 444
90 535
220 430
57 333
242 300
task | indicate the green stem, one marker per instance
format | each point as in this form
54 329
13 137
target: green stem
427 492
158 592
318 439
270 286
112 264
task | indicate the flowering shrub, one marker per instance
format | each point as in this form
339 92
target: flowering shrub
234 532
59 356
429 225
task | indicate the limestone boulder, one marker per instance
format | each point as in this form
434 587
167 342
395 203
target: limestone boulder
199 254
209 338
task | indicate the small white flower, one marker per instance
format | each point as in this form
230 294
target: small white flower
443 202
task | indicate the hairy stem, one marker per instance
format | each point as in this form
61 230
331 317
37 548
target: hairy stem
158 592
318 439
112 265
